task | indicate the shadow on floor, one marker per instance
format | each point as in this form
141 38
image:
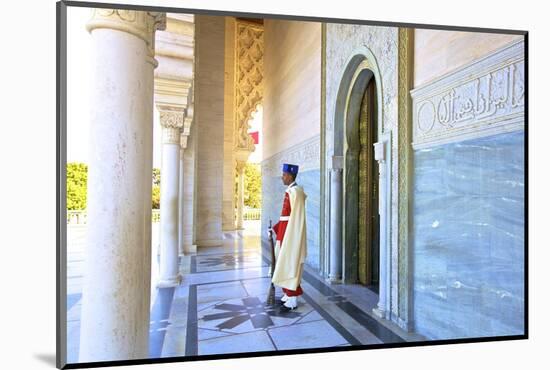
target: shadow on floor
47 358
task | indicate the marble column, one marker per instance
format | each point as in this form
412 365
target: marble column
181 201
240 194
335 272
183 139
171 120
115 308
382 310
189 194
173 85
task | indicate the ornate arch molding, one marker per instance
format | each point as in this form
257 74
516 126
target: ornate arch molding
352 79
249 73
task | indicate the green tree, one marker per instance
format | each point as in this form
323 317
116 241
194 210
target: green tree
77 185
156 188
156 176
156 197
252 185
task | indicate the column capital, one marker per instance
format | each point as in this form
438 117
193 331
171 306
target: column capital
138 23
171 120
171 117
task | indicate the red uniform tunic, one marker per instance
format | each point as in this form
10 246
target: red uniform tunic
280 229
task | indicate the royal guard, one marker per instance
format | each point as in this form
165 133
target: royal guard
290 248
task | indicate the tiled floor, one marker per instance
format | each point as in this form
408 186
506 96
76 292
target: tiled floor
221 307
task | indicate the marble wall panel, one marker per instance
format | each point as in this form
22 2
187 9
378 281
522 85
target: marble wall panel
469 238
292 84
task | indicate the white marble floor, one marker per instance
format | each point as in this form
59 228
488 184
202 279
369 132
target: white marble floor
221 307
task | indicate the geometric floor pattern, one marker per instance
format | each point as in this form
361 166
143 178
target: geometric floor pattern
222 306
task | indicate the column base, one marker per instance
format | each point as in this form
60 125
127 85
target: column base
170 283
408 326
378 312
334 280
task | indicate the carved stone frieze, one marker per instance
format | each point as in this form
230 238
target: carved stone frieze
483 98
306 155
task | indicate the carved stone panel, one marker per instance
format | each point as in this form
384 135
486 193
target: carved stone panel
483 98
249 78
305 154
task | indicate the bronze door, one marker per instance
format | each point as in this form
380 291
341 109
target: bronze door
368 220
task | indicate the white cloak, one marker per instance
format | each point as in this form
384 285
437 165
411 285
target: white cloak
293 250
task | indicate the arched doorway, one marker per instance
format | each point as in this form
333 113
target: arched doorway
360 213
354 258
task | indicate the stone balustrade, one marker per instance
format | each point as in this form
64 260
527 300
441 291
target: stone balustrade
252 214
80 217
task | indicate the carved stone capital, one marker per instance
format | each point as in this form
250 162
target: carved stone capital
171 135
138 23
171 118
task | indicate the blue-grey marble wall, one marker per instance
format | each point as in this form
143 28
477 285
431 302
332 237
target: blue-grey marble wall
273 192
469 238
